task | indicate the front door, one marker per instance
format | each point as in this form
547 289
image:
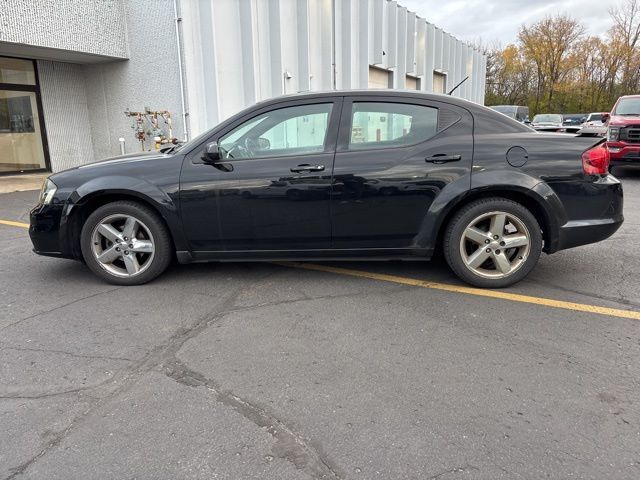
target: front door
271 188
394 157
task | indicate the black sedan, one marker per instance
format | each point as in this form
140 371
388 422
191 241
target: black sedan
357 175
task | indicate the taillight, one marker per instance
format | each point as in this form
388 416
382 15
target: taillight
596 160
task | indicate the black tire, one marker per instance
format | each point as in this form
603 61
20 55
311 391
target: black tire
161 241
458 224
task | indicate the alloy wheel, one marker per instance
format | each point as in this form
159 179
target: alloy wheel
122 245
495 245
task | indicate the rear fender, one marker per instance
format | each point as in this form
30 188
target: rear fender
495 183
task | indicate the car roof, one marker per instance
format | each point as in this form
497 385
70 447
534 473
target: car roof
373 92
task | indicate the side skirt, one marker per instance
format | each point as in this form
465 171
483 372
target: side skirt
365 254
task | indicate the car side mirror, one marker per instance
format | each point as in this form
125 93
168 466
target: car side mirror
605 117
211 153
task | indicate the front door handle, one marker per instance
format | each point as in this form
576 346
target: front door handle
305 167
443 158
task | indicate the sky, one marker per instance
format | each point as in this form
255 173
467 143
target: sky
489 21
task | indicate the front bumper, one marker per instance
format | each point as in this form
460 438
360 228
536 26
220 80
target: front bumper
622 152
46 232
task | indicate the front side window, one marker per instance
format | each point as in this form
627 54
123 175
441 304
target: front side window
286 131
388 125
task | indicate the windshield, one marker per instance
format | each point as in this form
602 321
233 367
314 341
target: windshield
506 110
628 106
547 118
595 117
193 141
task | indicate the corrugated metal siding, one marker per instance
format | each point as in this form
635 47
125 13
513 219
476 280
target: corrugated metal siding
66 117
89 26
238 52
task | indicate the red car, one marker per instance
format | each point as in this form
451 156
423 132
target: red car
623 131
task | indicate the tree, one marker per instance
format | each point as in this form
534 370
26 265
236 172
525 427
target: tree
555 67
625 35
548 45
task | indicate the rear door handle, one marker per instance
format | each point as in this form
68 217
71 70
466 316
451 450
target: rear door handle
305 167
443 158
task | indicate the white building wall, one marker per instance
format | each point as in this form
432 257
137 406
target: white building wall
64 104
84 104
238 52
93 27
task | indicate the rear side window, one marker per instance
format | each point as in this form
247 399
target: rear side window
388 125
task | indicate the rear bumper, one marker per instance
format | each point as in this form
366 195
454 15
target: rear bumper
593 130
584 232
603 204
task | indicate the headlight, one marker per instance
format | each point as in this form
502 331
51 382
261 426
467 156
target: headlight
48 191
613 134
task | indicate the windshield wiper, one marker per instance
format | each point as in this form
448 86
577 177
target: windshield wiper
171 148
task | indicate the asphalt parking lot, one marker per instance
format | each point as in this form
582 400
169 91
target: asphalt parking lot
267 371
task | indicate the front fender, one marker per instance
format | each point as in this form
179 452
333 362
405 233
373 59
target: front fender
130 187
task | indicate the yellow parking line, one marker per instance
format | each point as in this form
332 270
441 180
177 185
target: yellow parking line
514 297
14 224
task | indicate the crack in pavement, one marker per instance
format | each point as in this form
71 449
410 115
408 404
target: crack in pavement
157 357
70 354
289 445
461 469
129 378
58 308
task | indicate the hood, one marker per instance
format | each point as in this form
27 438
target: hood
624 120
113 161
129 158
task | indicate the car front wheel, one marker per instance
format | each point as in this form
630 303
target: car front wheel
125 243
493 243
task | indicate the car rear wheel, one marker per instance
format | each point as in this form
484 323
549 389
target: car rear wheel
125 243
493 243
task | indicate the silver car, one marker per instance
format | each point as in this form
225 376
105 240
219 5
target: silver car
548 122
595 125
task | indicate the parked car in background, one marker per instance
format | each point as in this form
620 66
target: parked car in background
572 122
517 112
623 131
594 125
548 122
379 174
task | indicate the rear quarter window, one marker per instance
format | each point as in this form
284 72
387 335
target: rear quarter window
487 121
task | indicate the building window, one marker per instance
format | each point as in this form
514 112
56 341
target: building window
412 83
380 78
21 140
439 82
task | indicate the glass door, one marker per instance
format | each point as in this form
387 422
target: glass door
21 127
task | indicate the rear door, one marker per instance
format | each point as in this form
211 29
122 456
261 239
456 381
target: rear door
394 157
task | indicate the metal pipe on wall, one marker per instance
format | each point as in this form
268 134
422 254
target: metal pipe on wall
334 79
185 113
